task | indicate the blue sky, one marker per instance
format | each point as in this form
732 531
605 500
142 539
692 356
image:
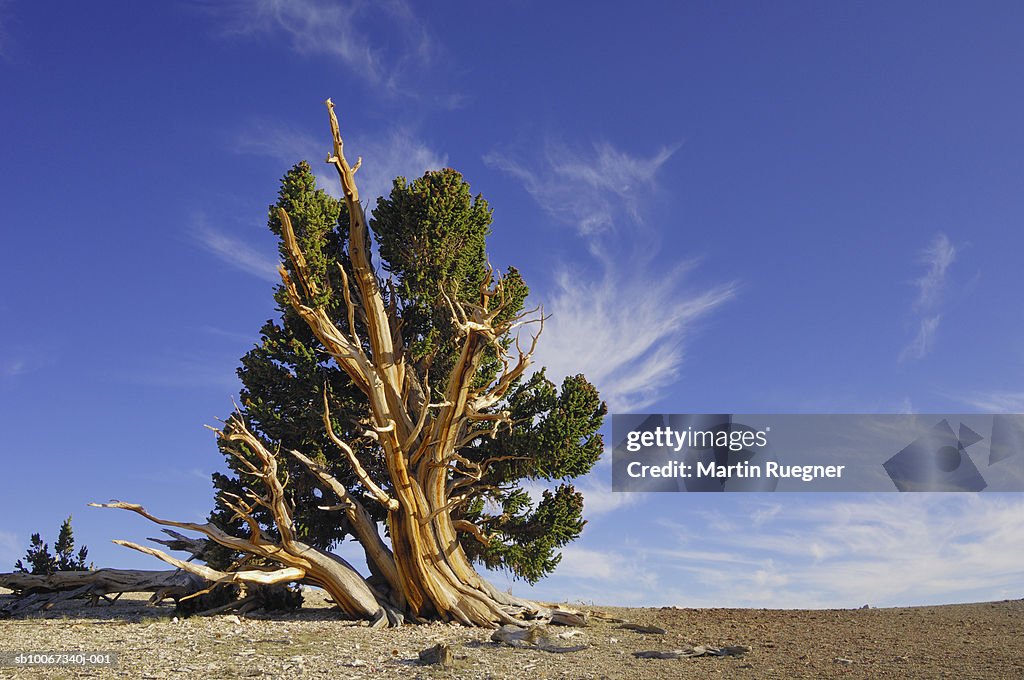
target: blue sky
784 207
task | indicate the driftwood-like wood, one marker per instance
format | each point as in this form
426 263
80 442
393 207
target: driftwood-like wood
170 583
424 572
39 591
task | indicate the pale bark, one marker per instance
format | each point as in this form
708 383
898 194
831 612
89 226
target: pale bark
42 591
428 574
170 583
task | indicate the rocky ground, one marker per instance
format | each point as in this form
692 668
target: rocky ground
954 641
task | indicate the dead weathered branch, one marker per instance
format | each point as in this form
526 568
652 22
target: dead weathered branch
472 529
284 575
375 491
42 591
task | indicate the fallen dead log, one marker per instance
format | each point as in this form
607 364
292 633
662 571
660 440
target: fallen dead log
172 583
35 592
192 594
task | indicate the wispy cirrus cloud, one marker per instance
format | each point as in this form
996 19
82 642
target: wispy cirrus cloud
586 563
599 499
233 251
624 323
996 402
887 550
591 575
922 343
21 359
625 332
589 190
396 153
381 42
937 257
883 550
764 514
13 366
174 370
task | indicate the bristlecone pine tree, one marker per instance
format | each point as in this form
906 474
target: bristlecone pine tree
398 399
39 561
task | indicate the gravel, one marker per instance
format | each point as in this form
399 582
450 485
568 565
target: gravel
951 641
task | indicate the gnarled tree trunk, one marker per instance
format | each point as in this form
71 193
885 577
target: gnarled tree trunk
424 574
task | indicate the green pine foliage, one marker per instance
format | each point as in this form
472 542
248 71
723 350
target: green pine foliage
38 559
430 235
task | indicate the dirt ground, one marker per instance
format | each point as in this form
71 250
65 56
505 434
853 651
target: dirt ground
954 641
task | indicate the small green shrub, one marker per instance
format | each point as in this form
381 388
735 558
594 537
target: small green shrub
38 559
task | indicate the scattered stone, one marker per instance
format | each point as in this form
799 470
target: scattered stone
690 652
519 637
438 655
233 618
564 618
646 630
534 637
928 644
655 654
607 617
845 662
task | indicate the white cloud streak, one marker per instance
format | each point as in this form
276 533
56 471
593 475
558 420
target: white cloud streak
587 563
624 327
887 551
599 499
922 343
14 366
997 402
397 153
884 550
625 333
234 251
588 190
937 258
23 359
178 372
765 514
349 33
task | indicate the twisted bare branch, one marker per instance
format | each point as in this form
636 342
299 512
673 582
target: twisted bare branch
376 492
